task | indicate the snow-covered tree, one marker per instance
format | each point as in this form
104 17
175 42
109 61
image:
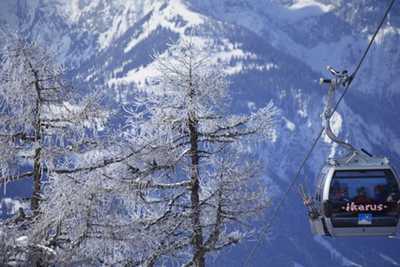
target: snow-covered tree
209 184
45 125
183 185
40 118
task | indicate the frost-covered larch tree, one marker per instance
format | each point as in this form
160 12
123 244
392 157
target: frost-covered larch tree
210 185
41 120
183 184
44 125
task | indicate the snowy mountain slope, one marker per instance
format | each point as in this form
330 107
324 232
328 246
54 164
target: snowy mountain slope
300 28
273 49
308 29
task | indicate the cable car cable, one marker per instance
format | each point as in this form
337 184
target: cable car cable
351 78
315 142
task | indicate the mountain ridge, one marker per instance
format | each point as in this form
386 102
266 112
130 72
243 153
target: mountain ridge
267 56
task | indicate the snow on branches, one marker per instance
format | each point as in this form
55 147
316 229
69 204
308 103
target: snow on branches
44 124
41 116
177 186
184 118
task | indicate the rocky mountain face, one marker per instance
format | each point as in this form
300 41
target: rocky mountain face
272 49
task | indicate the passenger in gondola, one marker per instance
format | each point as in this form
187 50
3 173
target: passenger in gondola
339 192
361 197
344 193
380 194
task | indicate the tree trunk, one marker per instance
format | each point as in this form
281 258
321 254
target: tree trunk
37 175
197 238
37 168
199 252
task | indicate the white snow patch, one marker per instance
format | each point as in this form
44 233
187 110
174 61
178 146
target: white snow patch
389 30
165 18
232 70
290 125
116 16
335 253
274 135
179 8
10 205
389 259
251 105
311 7
22 241
235 235
299 10
74 10
302 111
231 54
139 76
49 250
